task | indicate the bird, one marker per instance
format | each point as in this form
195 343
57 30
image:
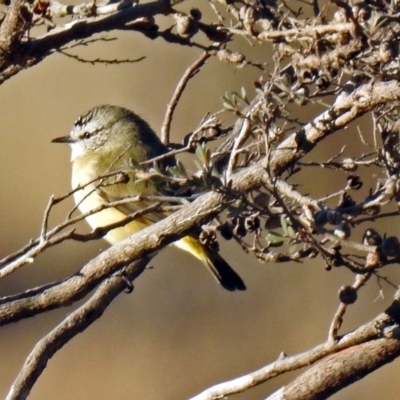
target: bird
108 139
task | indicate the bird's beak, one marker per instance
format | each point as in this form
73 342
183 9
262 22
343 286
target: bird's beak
63 139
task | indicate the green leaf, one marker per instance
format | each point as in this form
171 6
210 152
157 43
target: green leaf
174 171
284 224
182 169
275 239
291 233
200 152
207 155
244 96
227 103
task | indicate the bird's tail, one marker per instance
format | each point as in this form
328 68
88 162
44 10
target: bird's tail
221 270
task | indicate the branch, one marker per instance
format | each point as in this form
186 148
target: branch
72 325
12 28
101 60
306 32
367 335
341 370
35 50
189 73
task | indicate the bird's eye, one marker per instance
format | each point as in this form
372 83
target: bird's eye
86 135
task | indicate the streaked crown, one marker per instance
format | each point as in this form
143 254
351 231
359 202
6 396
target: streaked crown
112 129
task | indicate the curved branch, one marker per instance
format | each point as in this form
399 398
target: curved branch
189 73
75 323
33 51
341 370
367 336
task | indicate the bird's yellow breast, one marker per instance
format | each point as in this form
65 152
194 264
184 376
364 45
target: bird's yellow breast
88 199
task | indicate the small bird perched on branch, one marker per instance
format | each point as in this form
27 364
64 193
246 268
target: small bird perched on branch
108 139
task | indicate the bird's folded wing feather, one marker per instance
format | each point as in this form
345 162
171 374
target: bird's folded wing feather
133 206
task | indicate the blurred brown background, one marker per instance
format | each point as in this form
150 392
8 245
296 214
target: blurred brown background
178 332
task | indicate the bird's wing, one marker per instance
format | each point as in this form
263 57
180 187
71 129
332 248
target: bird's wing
131 207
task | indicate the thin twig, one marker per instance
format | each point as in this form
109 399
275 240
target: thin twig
337 320
239 140
41 244
189 73
102 61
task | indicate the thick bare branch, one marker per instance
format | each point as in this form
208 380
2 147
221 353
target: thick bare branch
341 370
34 50
12 28
353 343
71 326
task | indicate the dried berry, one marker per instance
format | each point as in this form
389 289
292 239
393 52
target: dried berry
347 294
354 182
390 246
226 231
